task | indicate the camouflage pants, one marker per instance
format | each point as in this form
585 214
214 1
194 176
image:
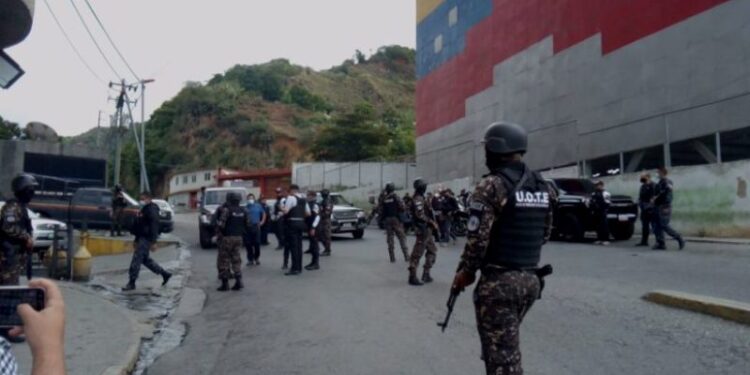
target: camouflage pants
229 261
425 242
142 256
12 264
323 232
502 299
393 227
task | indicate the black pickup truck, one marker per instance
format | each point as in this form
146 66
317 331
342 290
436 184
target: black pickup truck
90 207
573 216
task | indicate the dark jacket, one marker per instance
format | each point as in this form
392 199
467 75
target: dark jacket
647 193
146 226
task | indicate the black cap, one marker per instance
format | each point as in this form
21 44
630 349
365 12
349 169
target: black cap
505 138
390 187
420 184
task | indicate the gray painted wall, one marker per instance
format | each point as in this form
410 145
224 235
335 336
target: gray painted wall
12 157
689 80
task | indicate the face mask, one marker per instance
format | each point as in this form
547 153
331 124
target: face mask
142 203
251 201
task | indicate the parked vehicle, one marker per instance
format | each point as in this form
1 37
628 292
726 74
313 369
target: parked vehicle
573 217
211 200
166 215
346 218
90 208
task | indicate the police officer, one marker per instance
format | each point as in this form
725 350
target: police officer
295 211
663 203
231 226
647 207
118 209
323 232
278 219
510 220
15 230
391 208
600 202
424 224
313 221
146 231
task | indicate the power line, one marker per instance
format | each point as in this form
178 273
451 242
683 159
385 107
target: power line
91 35
70 42
112 42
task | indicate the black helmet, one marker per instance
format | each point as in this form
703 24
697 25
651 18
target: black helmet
325 193
505 138
390 187
234 197
24 187
420 185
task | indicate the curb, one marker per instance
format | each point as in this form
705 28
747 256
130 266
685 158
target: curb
735 311
714 240
131 355
103 246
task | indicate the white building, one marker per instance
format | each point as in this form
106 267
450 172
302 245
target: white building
184 188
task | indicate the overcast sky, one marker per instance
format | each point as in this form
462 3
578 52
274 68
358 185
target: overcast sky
174 41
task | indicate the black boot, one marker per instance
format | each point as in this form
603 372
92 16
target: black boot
129 287
682 243
238 283
224 285
413 280
326 253
393 257
426 278
165 278
312 266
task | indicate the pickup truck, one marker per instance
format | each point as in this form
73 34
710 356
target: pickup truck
89 207
573 217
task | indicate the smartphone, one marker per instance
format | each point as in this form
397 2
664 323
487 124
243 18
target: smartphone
11 297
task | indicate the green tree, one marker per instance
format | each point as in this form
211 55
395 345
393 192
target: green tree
354 136
9 130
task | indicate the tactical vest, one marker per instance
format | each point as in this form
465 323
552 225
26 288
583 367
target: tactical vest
517 235
390 206
235 225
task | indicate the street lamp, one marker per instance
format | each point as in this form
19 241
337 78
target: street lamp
10 71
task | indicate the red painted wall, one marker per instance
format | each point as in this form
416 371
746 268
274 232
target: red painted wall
515 25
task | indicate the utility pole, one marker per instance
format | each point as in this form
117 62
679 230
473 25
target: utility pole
99 130
139 140
144 173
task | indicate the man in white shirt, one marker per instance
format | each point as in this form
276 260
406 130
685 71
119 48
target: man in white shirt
295 210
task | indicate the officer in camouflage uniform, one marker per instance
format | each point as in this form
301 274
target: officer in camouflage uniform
390 208
16 241
323 233
233 221
510 220
424 225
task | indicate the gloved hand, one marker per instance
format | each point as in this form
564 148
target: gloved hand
462 280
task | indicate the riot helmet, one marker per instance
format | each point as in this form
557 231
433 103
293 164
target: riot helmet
24 187
234 198
420 186
501 140
390 187
325 193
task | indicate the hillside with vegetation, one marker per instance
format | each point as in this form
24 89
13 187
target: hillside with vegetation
272 114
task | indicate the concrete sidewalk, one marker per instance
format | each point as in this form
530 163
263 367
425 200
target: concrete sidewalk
100 337
108 331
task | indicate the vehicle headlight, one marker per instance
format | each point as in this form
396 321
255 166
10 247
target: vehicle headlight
361 215
205 219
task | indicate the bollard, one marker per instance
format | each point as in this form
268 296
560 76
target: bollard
82 261
55 262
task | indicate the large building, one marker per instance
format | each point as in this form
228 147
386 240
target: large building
603 87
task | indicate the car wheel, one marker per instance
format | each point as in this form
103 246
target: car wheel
622 231
358 234
205 239
571 229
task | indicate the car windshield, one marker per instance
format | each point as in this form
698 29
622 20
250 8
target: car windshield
218 197
575 186
339 200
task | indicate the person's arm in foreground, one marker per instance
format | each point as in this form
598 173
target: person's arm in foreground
45 330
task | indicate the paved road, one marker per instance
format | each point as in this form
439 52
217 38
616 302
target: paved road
358 316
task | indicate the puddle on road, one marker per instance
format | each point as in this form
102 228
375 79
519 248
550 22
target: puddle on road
154 307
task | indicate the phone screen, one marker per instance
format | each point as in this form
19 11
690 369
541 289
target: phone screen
11 297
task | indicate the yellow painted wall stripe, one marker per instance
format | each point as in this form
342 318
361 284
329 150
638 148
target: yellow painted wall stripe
425 7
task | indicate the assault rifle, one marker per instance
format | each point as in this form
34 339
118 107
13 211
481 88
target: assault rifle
451 302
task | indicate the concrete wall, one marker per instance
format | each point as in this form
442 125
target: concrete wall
582 90
710 200
356 181
12 157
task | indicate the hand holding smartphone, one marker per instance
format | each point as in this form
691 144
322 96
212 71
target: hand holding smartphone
13 296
